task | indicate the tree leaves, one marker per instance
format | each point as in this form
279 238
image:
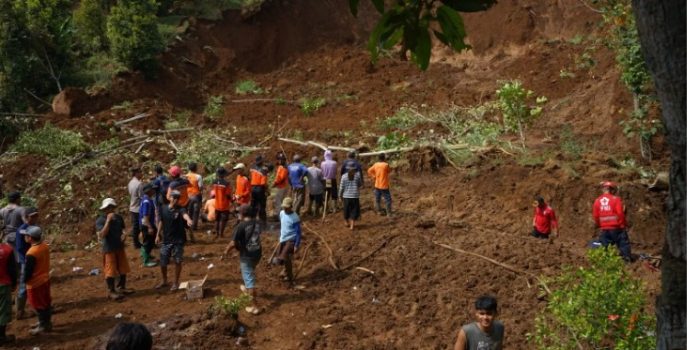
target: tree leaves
469 5
452 26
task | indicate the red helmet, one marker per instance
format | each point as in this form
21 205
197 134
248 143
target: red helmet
608 184
175 171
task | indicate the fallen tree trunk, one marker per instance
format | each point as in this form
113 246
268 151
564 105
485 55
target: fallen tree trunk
128 120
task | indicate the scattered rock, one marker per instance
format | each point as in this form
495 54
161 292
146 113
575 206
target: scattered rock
425 223
70 101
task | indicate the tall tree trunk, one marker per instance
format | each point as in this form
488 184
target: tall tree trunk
662 32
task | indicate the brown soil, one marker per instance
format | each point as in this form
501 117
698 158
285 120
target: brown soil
420 293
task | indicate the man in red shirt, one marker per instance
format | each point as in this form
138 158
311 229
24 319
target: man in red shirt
545 220
609 217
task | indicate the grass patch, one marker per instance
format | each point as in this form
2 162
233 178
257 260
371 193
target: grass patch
246 87
531 159
310 105
178 120
204 148
569 145
392 140
215 107
50 141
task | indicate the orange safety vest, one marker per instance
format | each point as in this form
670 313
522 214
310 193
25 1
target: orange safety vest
222 193
193 188
40 275
243 190
257 178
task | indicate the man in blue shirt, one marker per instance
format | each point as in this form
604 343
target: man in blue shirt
297 173
31 218
160 185
290 239
147 218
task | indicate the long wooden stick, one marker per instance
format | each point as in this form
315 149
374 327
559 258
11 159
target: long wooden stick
160 131
302 143
505 266
301 264
330 251
319 145
274 252
128 120
325 206
369 255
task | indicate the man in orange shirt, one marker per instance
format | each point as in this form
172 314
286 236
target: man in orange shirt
281 182
36 272
223 195
380 173
258 183
194 194
243 188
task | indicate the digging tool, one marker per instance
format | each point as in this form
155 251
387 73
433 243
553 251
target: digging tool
325 206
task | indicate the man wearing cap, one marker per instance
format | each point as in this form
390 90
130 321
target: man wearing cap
243 188
290 239
110 229
223 194
258 183
609 217
179 184
11 216
297 173
135 188
31 218
194 194
281 182
316 188
171 233
8 281
36 271
147 218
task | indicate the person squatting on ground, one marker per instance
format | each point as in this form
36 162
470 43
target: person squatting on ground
329 168
171 232
259 190
130 336
609 217
379 171
316 188
246 239
222 194
486 333
147 218
36 272
194 195
8 281
297 173
281 183
350 184
11 216
31 218
290 239
544 221
135 188
180 185
110 229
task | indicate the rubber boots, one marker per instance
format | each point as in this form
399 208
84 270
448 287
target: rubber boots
146 258
20 304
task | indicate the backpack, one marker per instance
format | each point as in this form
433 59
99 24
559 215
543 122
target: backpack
252 235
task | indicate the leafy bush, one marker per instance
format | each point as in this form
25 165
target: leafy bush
596 307
311 105
515 102
245 87
25 201
50 141
568 143
231 307
403 119
215 107
90 25
204 148
392 140
132 30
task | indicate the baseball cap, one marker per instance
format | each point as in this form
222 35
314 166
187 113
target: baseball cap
174 171
31 231
287 203
107 202
239 166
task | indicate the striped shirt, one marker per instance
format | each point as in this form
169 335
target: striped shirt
350 188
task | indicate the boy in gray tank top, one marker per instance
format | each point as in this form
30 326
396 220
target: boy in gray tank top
486 333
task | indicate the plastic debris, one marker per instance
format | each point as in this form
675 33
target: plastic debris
119 315
326 326
211 266
162 325
94 272
77 269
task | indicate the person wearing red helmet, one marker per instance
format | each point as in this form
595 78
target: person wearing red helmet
609 217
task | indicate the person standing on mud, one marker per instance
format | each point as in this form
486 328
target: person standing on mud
350 184
147 217
36 272
223 194
352 161
379 171
8 281
135 188
243 188
281 182
160 184
194 194
11 216
329 167
246 239
290 239
545 220
171 233
316 188
179 184
110 229
609 217
297 173
31 218
486 333
259 191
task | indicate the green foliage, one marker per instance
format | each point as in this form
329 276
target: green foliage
215 107
576 40
204 148
568 143
392 140
132 30
515 103
24 201
403 119
565 74
179 120
231 307
410 23
170 27
245 87
97 71
51 142
90 25
596 307
310 105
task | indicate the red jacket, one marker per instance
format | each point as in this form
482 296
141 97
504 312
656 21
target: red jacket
609 212
7 274
545 219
